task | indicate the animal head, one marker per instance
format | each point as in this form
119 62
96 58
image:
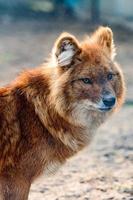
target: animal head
87 76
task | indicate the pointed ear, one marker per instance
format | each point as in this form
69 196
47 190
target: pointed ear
104 37
66 49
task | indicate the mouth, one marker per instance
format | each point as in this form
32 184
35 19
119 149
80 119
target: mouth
105 109
102 109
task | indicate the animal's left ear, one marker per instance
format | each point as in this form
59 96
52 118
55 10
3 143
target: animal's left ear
66 49
104 37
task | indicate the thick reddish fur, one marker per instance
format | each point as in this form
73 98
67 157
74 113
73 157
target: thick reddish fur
38 128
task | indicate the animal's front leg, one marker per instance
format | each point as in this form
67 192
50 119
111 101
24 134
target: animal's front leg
13 188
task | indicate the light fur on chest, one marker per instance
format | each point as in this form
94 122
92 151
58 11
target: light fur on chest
51 168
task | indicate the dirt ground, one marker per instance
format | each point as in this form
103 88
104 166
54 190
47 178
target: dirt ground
104 170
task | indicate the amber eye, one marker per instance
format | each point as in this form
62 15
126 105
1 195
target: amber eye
87 80
110 76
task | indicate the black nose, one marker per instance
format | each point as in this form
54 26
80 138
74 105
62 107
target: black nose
109 101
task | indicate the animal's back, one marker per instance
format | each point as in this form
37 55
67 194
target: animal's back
21 132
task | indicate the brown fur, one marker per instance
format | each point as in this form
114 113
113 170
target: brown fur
43 118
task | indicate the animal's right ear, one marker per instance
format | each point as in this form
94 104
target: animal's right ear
66 49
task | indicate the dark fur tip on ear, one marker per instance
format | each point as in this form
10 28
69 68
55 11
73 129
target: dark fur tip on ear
104 37
65 48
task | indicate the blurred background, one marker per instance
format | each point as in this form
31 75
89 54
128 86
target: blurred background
28 29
